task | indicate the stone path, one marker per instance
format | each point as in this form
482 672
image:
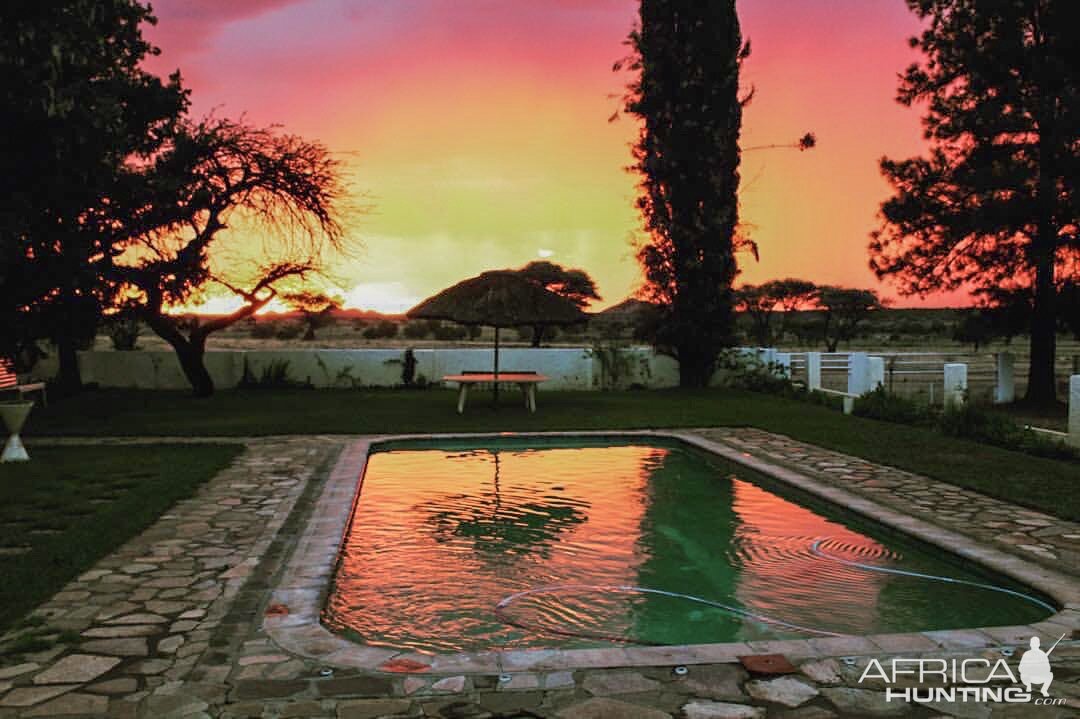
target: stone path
170 625
148 613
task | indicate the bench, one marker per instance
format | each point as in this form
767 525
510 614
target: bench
527 380
9 382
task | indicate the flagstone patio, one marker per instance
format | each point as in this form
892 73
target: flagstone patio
172 623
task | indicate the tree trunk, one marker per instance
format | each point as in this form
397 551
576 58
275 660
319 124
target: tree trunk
1041 389
191 356
69 376
190 352
695 366
538 335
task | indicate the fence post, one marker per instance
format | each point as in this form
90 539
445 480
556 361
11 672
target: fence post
876 374
858 373
813 371
1004 382
1074 410
955 385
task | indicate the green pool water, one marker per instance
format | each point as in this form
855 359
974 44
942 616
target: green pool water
520 543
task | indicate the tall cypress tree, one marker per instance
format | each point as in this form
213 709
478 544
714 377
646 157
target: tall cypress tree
687 55
994 207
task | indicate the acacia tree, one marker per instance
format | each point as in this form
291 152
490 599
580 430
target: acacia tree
216 171
762 301
845 310
573 284
994 206
77 105
757 302
687 56
317 309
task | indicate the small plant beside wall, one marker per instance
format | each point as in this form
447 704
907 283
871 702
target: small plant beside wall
408 368
275 375
616 365
409 378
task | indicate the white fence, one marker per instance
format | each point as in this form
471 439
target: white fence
847 374
569 368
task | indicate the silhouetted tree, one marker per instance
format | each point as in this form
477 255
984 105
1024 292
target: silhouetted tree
758 303
792 295
215 171
761 301
317 309
77 106
687 56
995 204
845 310
573 284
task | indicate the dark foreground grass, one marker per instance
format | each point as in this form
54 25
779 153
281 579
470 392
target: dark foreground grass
1049 485
73 505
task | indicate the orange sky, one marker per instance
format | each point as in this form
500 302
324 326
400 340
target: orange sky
478 129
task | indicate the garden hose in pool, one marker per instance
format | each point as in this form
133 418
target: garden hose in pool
501 608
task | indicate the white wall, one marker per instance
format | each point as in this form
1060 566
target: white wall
573 368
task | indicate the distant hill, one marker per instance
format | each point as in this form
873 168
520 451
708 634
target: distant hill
624 309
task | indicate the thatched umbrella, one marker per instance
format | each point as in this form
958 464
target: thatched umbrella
500 298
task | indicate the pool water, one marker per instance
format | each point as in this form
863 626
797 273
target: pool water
520 543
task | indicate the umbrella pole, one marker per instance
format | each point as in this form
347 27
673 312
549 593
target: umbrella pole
496 400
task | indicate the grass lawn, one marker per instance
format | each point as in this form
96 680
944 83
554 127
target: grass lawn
70 506
1045 484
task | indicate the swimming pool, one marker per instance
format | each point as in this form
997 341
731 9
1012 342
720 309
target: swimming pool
517 543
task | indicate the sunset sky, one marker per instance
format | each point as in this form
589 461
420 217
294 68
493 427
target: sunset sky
478 130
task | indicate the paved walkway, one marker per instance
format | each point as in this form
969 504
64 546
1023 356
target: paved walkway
170 625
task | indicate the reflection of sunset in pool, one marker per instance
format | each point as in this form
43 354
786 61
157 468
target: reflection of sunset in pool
594 532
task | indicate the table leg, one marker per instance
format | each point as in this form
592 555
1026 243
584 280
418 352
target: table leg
463 392
532 398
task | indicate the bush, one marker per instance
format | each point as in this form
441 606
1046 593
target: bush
450 332
274 375
264 330
879 404
969 421
383 329
974 422
288 331
415 330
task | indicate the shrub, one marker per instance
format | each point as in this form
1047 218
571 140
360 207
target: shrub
383 329
879 404
415 330
264 330
274 375
974 422
288 331
450 332
970 421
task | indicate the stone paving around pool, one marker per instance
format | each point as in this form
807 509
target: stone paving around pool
172 623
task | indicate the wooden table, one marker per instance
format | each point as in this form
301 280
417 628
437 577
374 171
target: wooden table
526 380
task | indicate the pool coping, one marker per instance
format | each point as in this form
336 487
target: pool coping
292 619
